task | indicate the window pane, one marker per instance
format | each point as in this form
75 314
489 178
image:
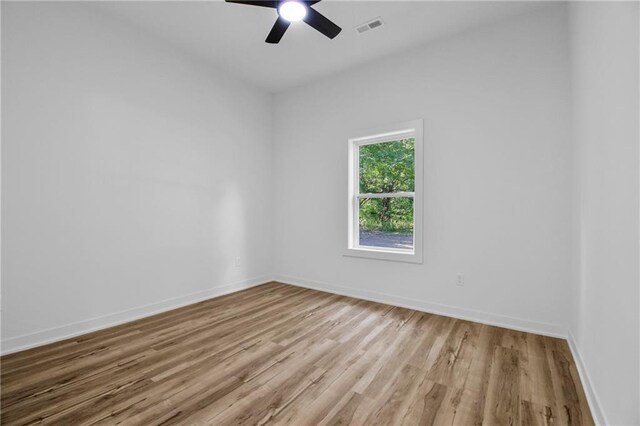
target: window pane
386 222
387 167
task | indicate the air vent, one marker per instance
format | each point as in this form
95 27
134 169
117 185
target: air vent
371 25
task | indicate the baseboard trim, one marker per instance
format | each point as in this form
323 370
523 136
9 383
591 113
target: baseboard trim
55 334
592 397
513 323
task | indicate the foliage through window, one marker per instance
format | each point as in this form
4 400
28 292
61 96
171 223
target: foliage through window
386 185
386 191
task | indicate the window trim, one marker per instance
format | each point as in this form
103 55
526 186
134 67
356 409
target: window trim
383 134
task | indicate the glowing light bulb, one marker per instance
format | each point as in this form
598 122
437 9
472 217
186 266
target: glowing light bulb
292 10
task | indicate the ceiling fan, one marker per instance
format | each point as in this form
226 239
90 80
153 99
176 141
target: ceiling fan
292 11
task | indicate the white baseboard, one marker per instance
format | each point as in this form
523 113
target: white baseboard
513 323
55 334
592 397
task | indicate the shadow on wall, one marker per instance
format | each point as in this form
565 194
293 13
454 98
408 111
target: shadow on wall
229 235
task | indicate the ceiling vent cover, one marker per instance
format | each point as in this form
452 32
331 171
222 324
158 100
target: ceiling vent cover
371 25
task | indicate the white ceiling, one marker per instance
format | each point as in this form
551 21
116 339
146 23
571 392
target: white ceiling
231 36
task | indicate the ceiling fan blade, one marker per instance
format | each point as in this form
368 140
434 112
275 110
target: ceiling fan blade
277 31
263 3
311 2
321 23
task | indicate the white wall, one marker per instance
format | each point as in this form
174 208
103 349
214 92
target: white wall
132 176
496 107
605 322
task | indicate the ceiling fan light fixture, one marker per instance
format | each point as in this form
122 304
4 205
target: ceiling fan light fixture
292 10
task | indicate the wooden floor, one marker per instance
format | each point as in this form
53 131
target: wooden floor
286 355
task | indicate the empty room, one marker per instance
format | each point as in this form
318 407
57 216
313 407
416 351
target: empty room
334 212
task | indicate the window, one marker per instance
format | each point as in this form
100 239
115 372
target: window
385 194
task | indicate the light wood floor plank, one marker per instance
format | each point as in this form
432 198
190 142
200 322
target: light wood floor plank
278 354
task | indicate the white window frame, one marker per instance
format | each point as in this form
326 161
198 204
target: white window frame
409 129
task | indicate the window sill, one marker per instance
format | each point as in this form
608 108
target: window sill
380 254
